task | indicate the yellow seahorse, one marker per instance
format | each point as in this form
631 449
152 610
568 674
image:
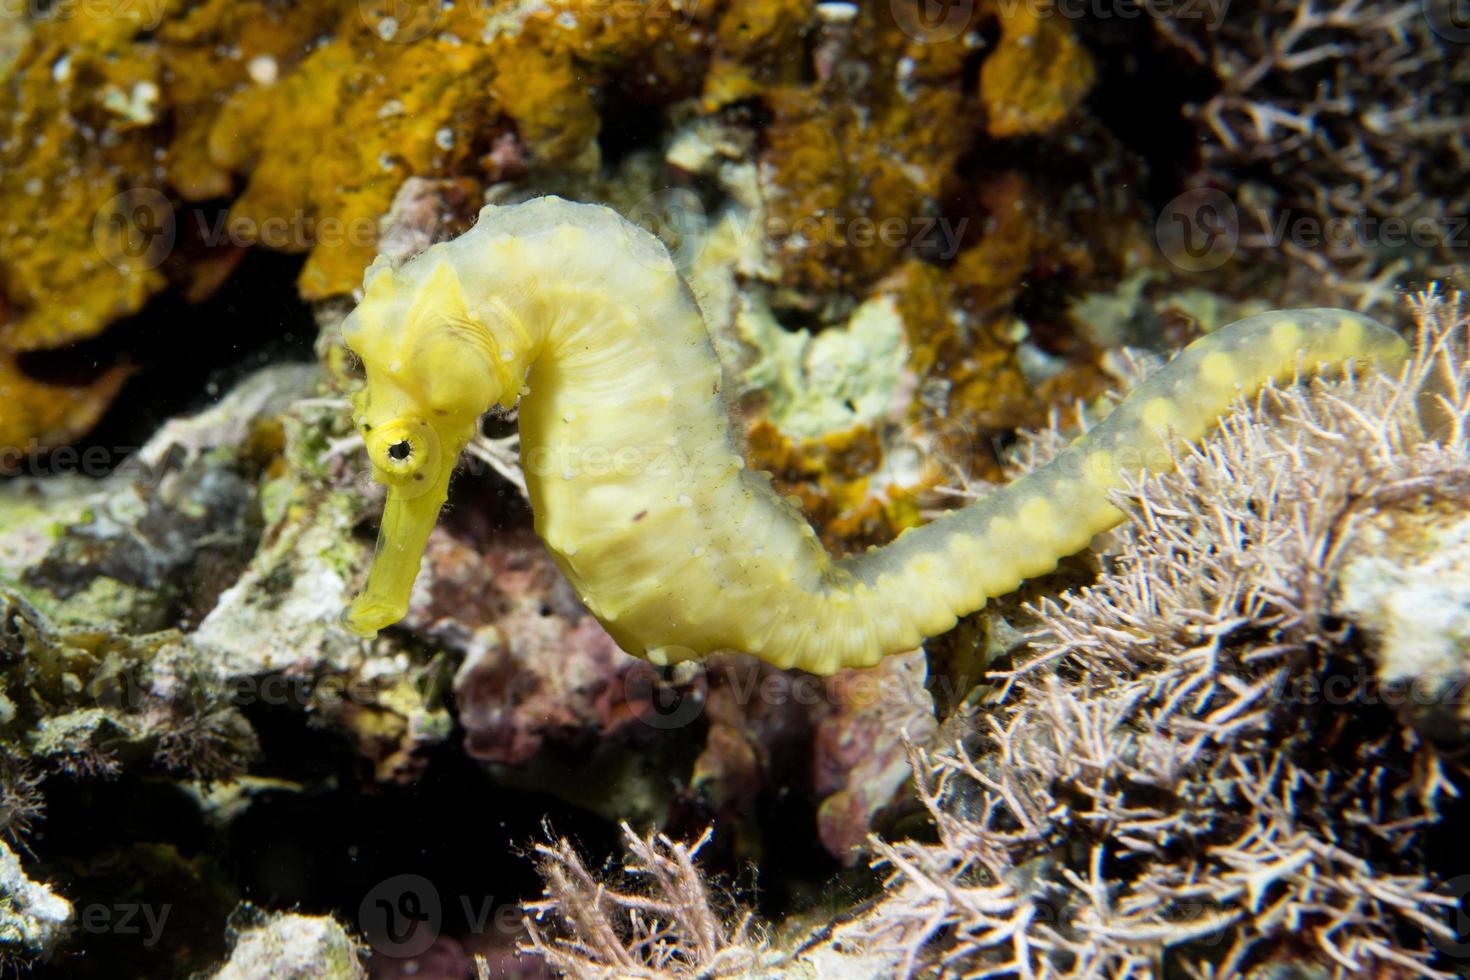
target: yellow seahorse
638 488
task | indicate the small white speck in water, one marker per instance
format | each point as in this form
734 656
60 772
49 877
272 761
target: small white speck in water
262 69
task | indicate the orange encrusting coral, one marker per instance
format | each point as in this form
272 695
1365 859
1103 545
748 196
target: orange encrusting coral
832 477
380 110
36 416
96 111
95 106
1019 99
311 116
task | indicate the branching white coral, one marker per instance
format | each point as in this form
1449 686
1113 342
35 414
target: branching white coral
1339 112
1150 792
663 924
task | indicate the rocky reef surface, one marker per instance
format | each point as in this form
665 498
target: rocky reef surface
1227 740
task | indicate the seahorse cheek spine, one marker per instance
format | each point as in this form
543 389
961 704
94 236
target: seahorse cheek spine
635 481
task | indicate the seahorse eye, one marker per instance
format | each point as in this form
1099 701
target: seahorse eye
404 450
403 455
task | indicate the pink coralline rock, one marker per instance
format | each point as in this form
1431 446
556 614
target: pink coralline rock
445 959
506 159
450 958
536 665
425 211
861 764
759 718
542 687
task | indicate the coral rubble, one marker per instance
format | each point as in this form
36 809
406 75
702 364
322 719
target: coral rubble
295 947
33 919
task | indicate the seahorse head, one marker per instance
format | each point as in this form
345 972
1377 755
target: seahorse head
431 372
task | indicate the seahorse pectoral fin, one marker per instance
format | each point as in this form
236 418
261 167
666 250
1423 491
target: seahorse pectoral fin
408 517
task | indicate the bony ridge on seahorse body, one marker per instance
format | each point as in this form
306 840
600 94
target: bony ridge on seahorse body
637 485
